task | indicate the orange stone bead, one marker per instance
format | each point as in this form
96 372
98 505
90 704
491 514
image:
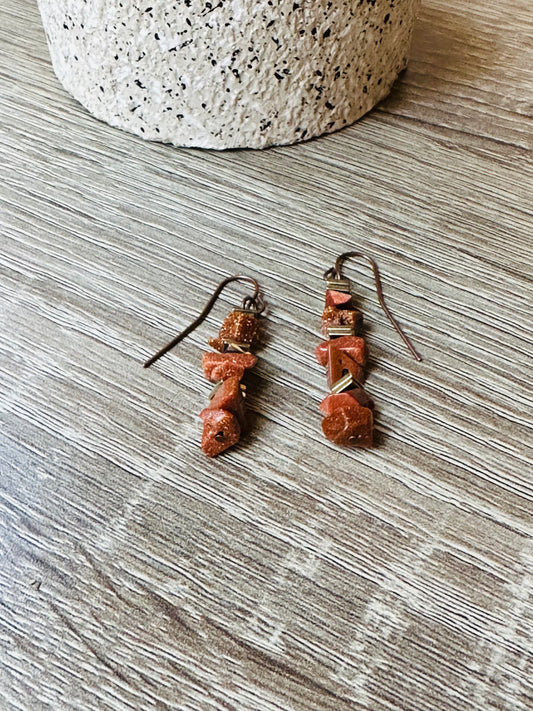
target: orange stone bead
229 396
346 399
338 298
352 346
221 430
339 364
221 366
333 316
239 326
350 426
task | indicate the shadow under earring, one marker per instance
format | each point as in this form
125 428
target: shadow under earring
348 409
224 419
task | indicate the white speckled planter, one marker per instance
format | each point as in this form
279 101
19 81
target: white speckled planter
228 73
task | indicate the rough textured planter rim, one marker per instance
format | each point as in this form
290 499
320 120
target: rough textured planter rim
232 74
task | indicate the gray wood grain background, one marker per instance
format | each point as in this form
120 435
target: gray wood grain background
288 574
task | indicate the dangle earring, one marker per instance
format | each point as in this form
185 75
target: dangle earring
348 409
224 419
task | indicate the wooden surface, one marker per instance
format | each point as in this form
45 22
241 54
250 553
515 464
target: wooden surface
287 574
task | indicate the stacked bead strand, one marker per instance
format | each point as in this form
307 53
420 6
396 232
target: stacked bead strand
224 419
348 409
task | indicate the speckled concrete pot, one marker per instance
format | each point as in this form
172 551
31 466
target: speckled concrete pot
228 73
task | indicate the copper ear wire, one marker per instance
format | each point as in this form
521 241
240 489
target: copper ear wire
252 303
335 273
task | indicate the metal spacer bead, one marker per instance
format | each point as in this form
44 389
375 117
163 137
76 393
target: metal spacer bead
347 381
234 347
215 389
343 285
340 331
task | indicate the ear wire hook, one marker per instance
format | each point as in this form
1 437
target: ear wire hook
253 303
336 273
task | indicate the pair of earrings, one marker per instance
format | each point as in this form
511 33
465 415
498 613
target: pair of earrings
348 409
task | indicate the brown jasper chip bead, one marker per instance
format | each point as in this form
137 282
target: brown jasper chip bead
219 344
352 346
221 431
335 402
239 326
339 363
221 366
350 426
229 397
338 298
333 316
346 399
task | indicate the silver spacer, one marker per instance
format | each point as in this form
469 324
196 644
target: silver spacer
343 285
334 331
234 347
215 389
347 381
